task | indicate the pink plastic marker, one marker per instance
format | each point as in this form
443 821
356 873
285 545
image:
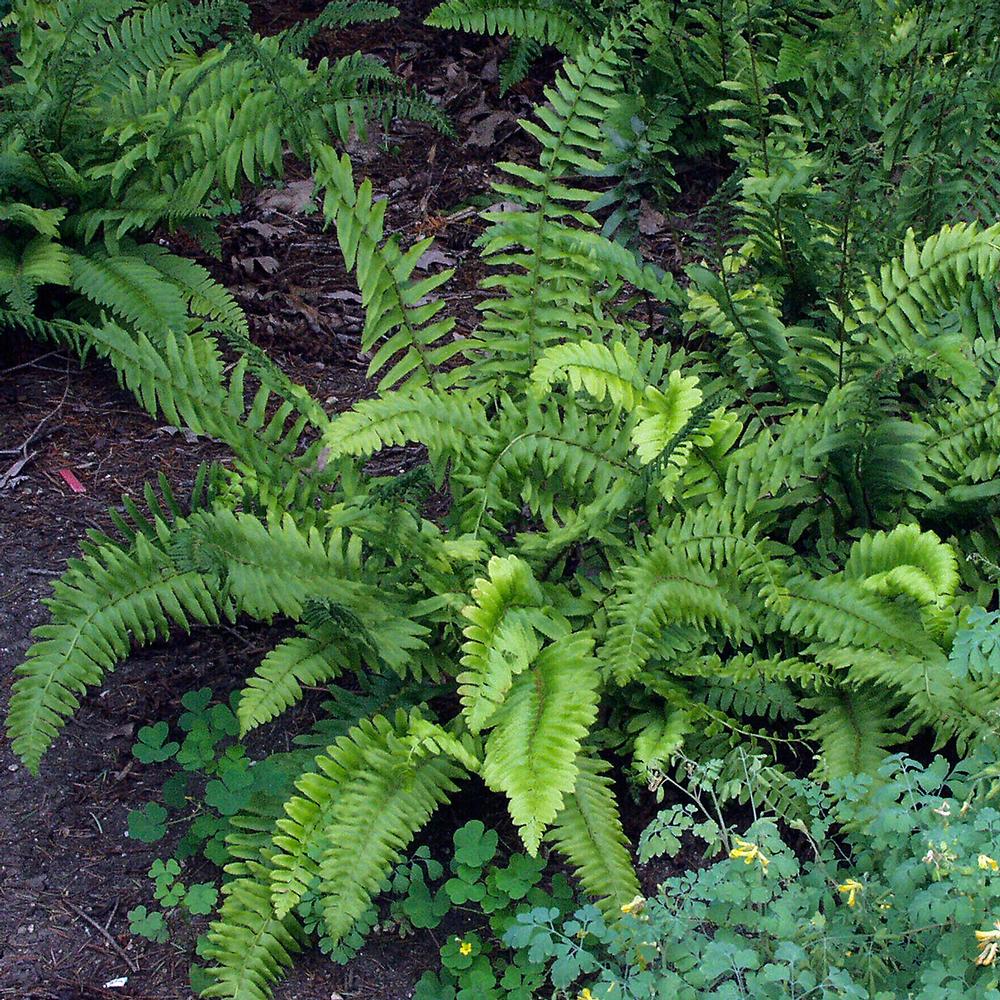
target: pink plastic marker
72 482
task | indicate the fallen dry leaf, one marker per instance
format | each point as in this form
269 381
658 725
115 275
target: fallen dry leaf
293 198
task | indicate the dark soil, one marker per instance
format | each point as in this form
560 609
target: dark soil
68 872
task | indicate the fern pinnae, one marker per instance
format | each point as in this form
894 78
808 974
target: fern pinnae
527 20
250 945
378 811
500 641
536 735
313 657
588 832
100 607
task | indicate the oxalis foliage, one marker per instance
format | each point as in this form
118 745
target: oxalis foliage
769 518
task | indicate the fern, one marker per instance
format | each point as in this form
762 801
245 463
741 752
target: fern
589 833
536 735
377 813
501 641
539 21
684 525
311 658
105 603
250 945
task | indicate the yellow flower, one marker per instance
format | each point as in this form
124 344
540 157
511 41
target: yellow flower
465 948
852 887
989 945
988 863
634 906
585 994
749 853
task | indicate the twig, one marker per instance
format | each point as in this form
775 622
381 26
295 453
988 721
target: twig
23 449
29 364
119 950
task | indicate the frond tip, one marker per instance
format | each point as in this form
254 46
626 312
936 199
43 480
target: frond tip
531 753
588 831
100 607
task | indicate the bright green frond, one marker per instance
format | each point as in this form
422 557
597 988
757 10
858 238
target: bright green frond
531 752
535 20
588 832
250 946
390 794
314 657
854 728
501 641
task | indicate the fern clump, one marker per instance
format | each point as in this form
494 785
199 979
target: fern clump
122 119
773 520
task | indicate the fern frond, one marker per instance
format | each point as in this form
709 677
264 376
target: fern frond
41 261
314 657
390 794
912 291
855 728
337 14
101 607
399 315
540 21
531 752
588 832
661 588
501 641
549 268
907 561
446 423
250 946
604 372
132 289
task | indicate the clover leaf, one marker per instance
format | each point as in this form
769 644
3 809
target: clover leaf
148 824
149 925
475 846
230 794
520 875
167 870
174 790
423 909
201 898
459 891
196 702
151 745
169 894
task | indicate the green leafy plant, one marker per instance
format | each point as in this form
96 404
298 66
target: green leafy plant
489 896
120 121
892 892
745 533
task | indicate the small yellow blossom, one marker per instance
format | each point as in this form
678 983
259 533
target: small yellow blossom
989 945
987 863
852 887
635 905
585 994
465 948
749 853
